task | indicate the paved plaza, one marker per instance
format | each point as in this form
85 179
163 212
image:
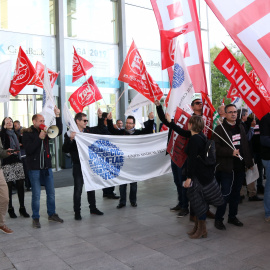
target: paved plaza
148 237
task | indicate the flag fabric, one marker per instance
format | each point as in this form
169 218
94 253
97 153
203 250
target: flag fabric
182 87
134 73
137 102
69 120
49 104
108 161
174 15
168 42
79 67
232 70
216 119
178 143
164 128
208 115
36 81
85 95
5 76
40 71
246 22
24 72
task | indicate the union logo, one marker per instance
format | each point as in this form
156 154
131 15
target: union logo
178 76
86 96
135 62
22 73
172 49
105 159
76 67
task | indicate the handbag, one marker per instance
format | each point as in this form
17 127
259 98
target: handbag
212 193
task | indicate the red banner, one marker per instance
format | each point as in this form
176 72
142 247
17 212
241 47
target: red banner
36 81
247 23
87 94
174 15
40 71
135 74
79 67
23 73
232 70
178 143
208 111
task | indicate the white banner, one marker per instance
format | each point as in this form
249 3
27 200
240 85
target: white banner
5 78
69 120
115 160
182 87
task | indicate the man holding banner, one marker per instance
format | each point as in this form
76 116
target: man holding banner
129 130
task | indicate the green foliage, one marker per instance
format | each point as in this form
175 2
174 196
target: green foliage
219 82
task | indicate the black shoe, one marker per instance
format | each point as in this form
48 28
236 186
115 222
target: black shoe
54 217
255 199
96 212
77 216
36 223
112 196
134 204
120 205
176 208
183 212
219 225
235 221
23 212
260 189
12 213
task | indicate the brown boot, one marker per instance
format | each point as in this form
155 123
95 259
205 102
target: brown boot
201 231
194 228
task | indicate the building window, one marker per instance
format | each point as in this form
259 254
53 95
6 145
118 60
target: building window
28 16
91 20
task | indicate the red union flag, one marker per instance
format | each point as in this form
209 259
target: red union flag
208 111
40 71
36 81
174 15
23 73
87 94
134 73
178 143
232 70
247 23
79 67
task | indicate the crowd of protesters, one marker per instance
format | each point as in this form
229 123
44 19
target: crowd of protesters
240 141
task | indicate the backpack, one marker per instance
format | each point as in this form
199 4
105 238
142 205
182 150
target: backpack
208 157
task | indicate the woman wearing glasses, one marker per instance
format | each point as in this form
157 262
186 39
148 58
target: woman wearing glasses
12 166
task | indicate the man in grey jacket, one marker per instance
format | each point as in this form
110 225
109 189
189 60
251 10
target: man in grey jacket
4 199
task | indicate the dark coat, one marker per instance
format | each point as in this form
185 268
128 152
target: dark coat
224 153
32 145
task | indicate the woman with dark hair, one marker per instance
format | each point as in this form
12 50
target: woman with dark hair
197 172
12 166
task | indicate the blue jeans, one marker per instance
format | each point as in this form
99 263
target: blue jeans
38 178
178 180
132 193
230 184
266 199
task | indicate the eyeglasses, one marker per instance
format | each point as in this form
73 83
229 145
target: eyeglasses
198 103
232 112
129 123
85 121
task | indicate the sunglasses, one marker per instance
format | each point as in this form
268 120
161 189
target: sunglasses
85 121
198 102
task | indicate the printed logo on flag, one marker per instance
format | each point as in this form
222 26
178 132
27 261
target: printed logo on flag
23 74
105 159
76 66
86 96
172 49
135 62
178 76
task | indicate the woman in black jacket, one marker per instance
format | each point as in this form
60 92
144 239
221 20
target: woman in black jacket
12 166
195 167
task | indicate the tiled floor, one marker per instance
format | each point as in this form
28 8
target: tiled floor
148 237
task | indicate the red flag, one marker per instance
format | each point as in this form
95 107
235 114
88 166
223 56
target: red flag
135 74
208 111
228 65
168 46
173 16
36 81
164 128
23 73
87 94
80 66
40 71
178 143
166 102
250 35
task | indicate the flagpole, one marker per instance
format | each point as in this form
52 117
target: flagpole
119 98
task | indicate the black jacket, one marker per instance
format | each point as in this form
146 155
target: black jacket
225 159
146 130
71 146
32 145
